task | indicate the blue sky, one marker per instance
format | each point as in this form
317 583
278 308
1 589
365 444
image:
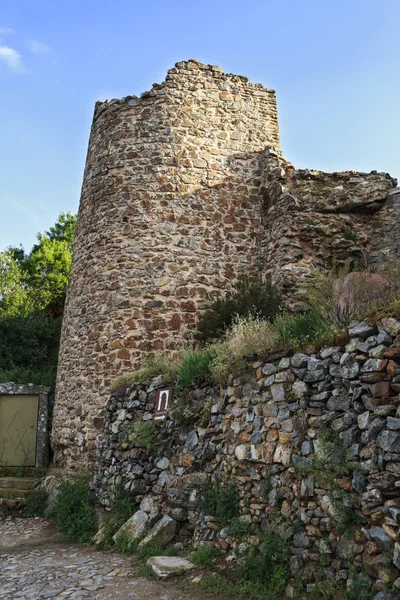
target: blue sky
334 63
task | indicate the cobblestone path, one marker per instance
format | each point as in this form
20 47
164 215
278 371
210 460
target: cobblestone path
36 563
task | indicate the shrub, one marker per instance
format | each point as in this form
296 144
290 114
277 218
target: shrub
143 434
221 501
250 296
266 568
239 528
122 509
36 504
72 511
203 555
194 366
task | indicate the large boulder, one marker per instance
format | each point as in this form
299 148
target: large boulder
135 527
167 566
162 533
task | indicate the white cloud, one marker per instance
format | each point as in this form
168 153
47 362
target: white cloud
38 47
12 58
6 31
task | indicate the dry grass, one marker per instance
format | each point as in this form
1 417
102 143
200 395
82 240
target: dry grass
247 336
154 365
341 296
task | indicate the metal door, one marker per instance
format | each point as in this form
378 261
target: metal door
18 430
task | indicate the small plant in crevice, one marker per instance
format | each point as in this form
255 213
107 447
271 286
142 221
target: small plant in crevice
221 501
122 508
187 409
72 512
143 434
346 516
239 528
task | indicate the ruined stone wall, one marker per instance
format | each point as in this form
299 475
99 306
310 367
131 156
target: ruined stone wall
320 219
169 211
311 440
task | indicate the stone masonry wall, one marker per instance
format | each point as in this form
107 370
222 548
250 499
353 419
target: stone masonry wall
169 212
321 219
311 440
179 199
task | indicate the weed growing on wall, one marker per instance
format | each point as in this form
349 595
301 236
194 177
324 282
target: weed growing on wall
187 410
221 501
72 512
144 434
301 328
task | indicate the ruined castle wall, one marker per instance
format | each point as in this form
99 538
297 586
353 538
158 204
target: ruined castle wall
170 210
321 219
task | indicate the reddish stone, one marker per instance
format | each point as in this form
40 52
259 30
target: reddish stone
380 389
175 322
123 353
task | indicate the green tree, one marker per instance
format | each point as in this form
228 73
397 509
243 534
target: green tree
14 299
38 281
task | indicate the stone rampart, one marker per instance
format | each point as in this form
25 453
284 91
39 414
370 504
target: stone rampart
311 440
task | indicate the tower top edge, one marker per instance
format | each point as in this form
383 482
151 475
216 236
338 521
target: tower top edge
181 68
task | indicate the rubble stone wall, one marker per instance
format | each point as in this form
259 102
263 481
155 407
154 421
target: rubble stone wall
310 439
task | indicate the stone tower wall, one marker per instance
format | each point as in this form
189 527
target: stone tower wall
170 210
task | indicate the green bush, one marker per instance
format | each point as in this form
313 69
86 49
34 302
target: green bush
122 509
36 504
239 528
203 556
221 501
265 570
72 511
194 366
250 296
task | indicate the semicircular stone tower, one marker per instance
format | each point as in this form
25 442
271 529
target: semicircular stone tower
170 210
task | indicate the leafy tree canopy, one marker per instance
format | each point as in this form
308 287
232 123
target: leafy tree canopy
38 281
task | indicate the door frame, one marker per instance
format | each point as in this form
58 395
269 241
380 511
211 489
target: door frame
42 434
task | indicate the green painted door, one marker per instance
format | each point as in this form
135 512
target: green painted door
18 430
